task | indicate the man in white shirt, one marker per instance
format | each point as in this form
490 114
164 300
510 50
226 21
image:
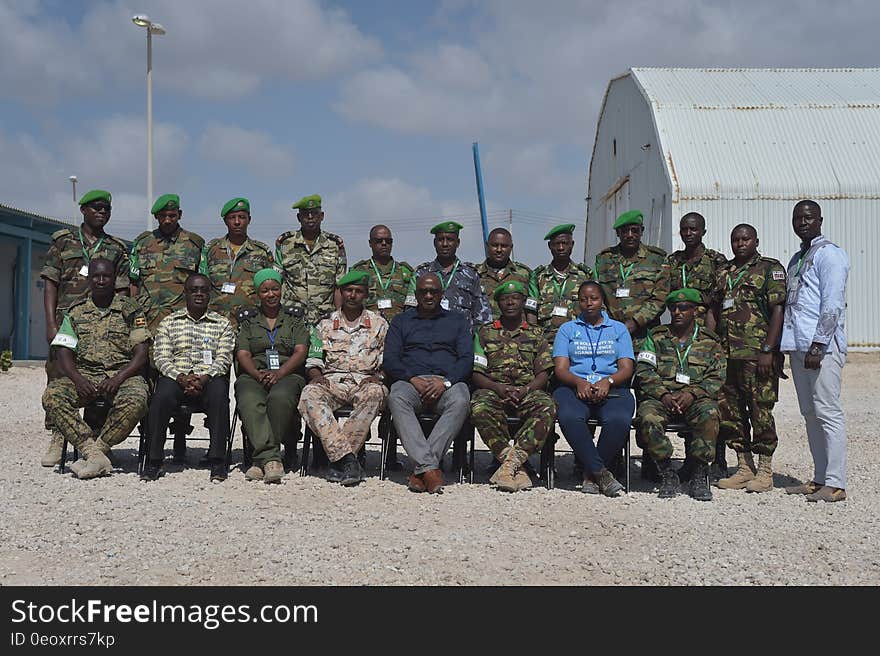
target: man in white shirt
814 338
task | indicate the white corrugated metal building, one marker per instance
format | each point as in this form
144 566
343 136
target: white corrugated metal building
744 145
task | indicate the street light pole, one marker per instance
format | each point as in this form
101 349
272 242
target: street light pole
152 28
73 183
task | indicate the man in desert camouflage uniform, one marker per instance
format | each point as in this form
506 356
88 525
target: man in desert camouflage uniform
680 371
66 281
232 260
389 278
102 350
697 267
498 268
344 368
751 291
512 364
311 261
634 277
460 281
161 261
553 288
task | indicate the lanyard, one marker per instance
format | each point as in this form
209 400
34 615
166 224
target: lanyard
625 273
594 347
684 276
233 257
797 272
271 335
682 360
445 283
731 285
88 256
384 286
560 289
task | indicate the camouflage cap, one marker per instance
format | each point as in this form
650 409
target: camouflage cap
559 230
94 194
684 295
235 205
512 287
165 202
447 226
633 217
308 203
354 278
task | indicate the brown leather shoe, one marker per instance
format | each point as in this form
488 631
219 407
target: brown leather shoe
433 481
415 483
829 494
804 488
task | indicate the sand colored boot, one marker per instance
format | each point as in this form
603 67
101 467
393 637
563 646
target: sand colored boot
97 464
763 480
52 456
521 478
273 472
744 473
507 471
493 480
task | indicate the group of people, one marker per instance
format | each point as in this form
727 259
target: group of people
511 349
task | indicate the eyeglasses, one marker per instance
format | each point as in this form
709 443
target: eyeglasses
382 240
100 206
680 307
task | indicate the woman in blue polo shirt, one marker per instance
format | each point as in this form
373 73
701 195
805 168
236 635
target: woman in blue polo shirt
593 362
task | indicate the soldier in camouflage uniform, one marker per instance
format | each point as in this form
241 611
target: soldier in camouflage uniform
311 261
66 281
161 261
697 267
102 349
390 279
680 371
751 290
462 291
498 268
231 261
553 288
344 367
634 277
512 363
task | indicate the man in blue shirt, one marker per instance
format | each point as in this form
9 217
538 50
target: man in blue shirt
813 336
429 353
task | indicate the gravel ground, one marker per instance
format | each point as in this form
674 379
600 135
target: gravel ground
182 530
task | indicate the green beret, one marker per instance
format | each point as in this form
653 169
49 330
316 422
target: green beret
633 217
446 226
560 229
165 202
94 194
512 287
263 275
685 294
354 278
235 204
308 203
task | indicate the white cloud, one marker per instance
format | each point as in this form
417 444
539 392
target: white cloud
220 49
253 149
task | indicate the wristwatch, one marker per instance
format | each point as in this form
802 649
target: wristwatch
610 381
766 348
447 383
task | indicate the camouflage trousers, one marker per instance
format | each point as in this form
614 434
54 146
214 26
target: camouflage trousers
62 402
53 372
652 418
746 401
537 412
318 403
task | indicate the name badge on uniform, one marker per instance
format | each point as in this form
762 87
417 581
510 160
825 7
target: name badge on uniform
727 304
207 356
272 359
531 304
684 379
384 304
228 288
84 270
410 300
622 292
444 303
560 311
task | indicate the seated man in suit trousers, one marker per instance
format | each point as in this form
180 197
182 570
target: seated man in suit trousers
429 353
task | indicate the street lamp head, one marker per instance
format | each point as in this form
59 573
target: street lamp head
141 20
157 28
72 178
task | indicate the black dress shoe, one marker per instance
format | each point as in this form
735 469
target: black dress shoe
218 471
151 472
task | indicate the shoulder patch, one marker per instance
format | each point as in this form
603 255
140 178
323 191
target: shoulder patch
648 357
259 244
284 237
334 237
61 233
778 275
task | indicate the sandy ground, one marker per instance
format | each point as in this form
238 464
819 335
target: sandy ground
183 530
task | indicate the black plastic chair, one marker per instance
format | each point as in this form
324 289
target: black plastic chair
462 446
319 456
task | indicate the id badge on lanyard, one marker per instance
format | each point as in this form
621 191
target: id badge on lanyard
384 304
273 360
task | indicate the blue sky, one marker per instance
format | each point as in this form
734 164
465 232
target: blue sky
374 105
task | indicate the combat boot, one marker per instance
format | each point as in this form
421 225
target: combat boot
273 472
668 479
493 480
699 483
763 480
521 477
105 449
97 464
507 471
718 468
744 473
52 456
649 468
